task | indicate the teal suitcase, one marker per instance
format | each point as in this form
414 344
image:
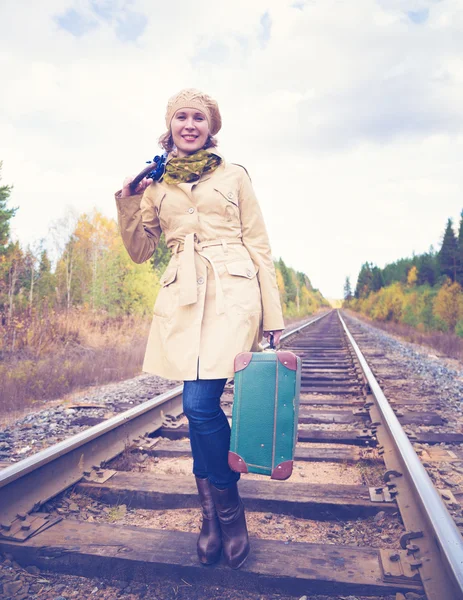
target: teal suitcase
265 413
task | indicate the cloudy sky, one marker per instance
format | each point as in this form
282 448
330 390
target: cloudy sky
348 115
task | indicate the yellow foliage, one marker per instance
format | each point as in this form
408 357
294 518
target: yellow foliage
412 276
383 305
298 299
96 271
448 304
422 307
280 282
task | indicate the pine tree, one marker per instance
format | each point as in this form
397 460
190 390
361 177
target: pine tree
460 251
5 215
448 254
377 281
347 289
364 282
427 268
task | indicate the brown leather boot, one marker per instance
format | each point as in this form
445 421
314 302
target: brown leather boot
209 544
230 511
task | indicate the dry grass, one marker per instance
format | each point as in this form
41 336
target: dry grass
446 344
47 356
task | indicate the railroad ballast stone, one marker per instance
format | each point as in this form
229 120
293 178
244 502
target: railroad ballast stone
47 427
52 586
426 378
437 377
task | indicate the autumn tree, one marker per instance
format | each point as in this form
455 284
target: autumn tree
131 288
412 276
45 281
427 318
301 299
65 274
387 304
15 271
30 274
93 240
406 290
63 242
280 281
448 254
448 304
290 287
95 270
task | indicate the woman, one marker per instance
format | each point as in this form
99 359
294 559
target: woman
218 295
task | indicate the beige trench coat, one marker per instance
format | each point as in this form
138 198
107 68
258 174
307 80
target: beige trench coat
219 289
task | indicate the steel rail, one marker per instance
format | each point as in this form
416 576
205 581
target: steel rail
13 472
288 334
29 483
32 481
447 535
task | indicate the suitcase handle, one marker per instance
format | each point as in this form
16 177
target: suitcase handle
272 342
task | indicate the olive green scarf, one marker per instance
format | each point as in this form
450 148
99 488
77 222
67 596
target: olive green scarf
191 168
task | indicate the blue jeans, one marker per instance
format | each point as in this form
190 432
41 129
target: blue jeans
209 431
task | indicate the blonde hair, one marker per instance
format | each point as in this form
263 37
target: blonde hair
166 141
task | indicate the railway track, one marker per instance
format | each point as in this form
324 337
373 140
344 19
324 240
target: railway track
345 422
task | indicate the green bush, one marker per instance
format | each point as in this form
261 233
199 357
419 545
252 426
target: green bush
459 329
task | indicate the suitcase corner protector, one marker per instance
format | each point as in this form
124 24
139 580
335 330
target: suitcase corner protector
283 470
288 359
236 463
242 360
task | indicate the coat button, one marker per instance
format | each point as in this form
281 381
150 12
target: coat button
191 210
200 280
230 195
249 272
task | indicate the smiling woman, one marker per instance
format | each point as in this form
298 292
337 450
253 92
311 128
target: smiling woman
190 131
218 294
189 121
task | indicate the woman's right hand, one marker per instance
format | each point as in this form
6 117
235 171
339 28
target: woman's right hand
125 191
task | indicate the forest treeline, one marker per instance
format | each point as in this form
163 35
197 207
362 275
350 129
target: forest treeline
78 309
93 273
424 291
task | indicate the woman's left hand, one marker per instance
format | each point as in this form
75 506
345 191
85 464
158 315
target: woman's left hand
276 336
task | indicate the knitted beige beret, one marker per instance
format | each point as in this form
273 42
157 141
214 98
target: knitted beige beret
191 98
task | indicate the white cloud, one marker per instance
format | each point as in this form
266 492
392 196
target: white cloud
347 115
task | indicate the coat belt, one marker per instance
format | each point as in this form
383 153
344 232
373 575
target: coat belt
188 282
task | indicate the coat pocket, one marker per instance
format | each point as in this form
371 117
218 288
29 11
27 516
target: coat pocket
241 288
231 209
169 276
242 268
167 300
229 195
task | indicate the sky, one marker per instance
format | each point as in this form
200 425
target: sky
347 115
